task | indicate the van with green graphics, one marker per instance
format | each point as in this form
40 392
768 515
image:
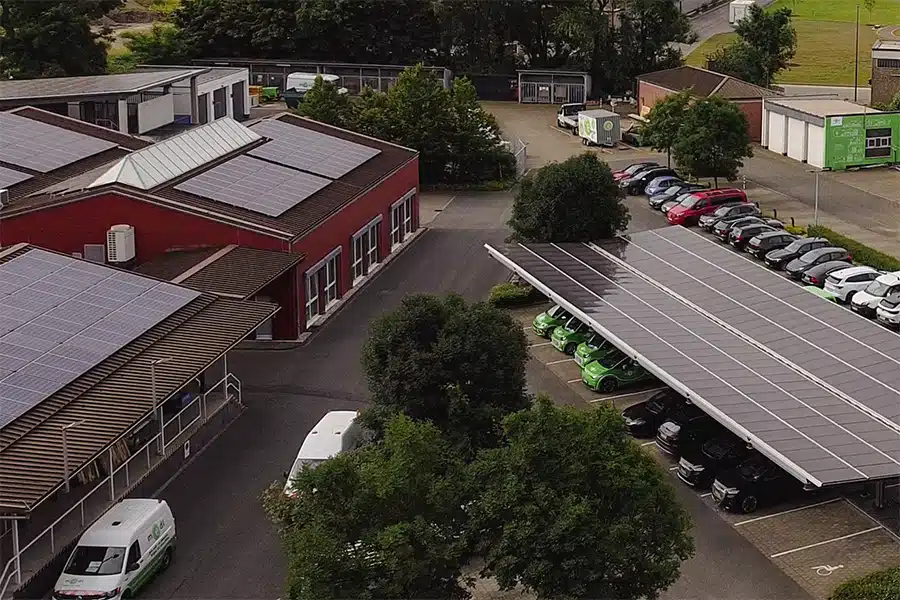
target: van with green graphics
120 553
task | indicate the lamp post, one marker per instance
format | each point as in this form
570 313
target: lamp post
856 60
65 449
156 408
816 202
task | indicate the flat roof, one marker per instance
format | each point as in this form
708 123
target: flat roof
886 45
50 88
811 385
822 107
291 62
115 395
210 74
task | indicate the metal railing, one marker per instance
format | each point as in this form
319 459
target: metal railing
519 150
170 432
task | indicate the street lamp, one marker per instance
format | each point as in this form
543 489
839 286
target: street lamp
159 417
65 445
816 205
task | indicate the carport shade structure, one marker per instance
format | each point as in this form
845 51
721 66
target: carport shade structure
812 386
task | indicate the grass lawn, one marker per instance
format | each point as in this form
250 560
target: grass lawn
886 12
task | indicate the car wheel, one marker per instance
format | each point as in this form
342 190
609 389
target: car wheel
570 348
574 131
167 559
608 384
749 504
549 333
849 297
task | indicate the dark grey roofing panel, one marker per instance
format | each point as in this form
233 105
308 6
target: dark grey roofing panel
660 330
41 147
9 177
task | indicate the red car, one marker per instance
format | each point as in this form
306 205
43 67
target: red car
632 169
689 211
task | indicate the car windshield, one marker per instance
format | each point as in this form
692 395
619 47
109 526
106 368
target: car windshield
795 246
95 560
689 201
716 448
809 258
611 360
595 342
721 212
556 311
573 109
876 288
672 190
634 169
754 469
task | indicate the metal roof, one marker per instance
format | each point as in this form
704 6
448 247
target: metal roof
164 161
750 348
820 107
90 85
704 83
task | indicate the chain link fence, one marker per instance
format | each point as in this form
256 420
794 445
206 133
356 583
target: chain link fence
519 150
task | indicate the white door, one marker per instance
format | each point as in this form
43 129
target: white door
776 132
266 330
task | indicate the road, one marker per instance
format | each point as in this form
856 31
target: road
710 23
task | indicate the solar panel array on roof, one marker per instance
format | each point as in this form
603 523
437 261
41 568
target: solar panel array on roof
254 184
815 432
60 317
44 148
311 151
9 178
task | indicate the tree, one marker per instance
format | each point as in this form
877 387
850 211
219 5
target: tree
573 201
324 102
713 140
163 44
570 507
766 46
459 365
870 6
384 521
52 38
664 121
475 152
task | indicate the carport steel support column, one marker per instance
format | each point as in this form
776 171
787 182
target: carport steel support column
879 494
15 541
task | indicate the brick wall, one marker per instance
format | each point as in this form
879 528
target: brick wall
649 95
885 83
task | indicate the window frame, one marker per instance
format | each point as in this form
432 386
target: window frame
402 218
317 280
364 248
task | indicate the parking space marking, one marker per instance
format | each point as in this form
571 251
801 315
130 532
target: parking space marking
562 131
626 394
648 444
786 512
574 380
873 519
832 540
538 345
675 468
706 495
559 362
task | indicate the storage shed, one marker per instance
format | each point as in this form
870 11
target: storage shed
553 86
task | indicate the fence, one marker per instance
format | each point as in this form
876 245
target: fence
119 483
519 150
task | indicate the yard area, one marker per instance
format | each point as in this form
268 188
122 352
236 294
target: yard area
825 38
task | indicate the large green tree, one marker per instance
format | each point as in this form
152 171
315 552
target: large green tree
382 522
570 507
162 44
664 122
52 38
325 103
573 201
713 140
767 43
457 364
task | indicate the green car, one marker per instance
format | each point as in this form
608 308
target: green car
612 371
546 322
593 348
566 338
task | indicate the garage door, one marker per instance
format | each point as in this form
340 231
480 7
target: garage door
796 142
776 132
815 153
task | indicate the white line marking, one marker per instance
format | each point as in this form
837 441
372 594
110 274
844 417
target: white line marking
574 380
787 512
562 131
675 468
706 495
539 344
444 207
647 444
559 362
837 539
873 519
628 394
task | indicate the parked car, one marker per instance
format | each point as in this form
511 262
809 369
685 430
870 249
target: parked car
776 259
632 169
865 301
669 205
846 282
686 426
797 267
729 212
644 418
888 311
739 237
699 464
816 276
566 338
613 371
672 193
567 116
638 183
765 242
817 291
722 229
660 184
757 481
593 348
703 202
546 322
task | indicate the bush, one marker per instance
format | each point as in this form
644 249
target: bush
509 294
795 229
880 585
862 254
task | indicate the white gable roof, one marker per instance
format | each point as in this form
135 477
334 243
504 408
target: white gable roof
164 161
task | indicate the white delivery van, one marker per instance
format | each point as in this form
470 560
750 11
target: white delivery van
120 552
338 431
297 84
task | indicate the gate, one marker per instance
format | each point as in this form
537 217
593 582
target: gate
548 87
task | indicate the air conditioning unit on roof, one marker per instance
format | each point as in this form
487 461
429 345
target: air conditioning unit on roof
120 244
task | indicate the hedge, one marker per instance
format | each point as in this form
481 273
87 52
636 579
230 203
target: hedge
861 253
795 229
510 294
880 585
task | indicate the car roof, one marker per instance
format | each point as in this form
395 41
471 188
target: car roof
889 278
778 232
820 251
118 526
830 264
815 239
851 271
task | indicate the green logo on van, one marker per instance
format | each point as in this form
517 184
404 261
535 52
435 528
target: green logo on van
157 530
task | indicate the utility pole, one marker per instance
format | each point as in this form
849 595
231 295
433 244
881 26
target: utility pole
856 60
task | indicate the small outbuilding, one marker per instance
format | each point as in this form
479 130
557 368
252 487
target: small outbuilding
553 86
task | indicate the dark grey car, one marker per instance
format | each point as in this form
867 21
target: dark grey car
797 267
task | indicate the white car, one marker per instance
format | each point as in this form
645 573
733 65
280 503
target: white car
888 311
846 282
865 302
567 116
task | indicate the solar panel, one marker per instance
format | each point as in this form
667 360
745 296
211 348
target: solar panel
301 148
9 178
255 185
59 318
41 147
806 428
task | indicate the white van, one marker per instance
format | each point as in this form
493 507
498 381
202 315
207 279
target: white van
120 552
338 431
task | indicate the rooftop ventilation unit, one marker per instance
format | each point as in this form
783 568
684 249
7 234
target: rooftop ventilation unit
4 198
120 244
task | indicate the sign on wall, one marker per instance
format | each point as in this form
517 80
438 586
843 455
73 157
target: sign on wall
857 140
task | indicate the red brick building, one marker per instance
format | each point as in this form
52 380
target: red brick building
653 87
283 209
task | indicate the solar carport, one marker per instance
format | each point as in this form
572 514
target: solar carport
812 386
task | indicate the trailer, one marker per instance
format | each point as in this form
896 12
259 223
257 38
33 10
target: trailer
599 127
738 9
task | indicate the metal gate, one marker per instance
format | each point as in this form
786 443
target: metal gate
551 93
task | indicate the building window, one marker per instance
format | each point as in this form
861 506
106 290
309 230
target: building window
887 63
402 218
878 142
365 249
323 287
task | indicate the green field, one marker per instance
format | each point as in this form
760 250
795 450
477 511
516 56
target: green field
826 33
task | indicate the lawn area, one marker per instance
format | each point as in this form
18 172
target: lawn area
886 12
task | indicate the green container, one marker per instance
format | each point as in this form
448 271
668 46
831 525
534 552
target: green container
270 93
